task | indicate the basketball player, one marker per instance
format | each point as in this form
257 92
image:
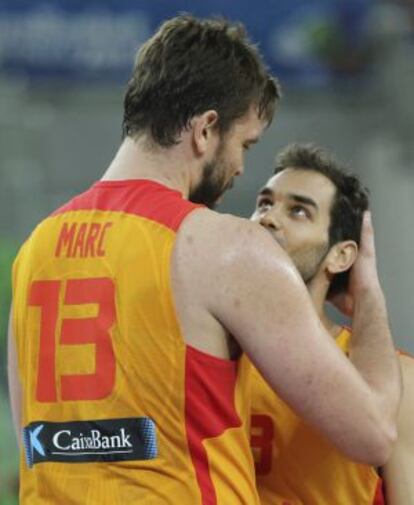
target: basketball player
132 303
314 210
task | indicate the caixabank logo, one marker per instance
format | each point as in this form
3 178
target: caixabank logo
90 441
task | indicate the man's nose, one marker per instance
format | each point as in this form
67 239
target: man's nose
269 220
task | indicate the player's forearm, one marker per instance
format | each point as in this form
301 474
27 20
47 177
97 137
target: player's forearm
399 470
398 475
373 353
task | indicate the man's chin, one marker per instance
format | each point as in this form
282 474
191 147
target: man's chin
206 202
210 198
219 200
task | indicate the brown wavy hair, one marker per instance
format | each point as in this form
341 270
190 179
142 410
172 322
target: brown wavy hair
190 66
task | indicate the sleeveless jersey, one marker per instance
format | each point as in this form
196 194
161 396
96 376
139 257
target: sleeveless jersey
116 407
295 465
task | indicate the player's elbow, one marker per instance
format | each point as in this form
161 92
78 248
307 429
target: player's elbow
377 451
386 440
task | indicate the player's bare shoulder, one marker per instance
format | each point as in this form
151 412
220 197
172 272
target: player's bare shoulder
210 241
218 254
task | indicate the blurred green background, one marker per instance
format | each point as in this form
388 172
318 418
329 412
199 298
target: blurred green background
8 443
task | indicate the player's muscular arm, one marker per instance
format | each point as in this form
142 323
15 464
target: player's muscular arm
399 471
249 285
371 336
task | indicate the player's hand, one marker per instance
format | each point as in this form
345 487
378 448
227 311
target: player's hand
363 278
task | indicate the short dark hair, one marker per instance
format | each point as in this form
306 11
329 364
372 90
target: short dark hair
350 201
190 66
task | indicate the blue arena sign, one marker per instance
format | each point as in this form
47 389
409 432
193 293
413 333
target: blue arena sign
304 42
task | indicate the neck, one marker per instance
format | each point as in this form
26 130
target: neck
318 291
138 159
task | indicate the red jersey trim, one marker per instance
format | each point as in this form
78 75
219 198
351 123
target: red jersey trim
211 360
379 498
145 198
209 410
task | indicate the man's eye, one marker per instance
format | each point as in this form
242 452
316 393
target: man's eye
300 211
264 202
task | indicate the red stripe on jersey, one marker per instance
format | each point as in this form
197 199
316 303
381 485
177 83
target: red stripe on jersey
144 198
379 494
209 410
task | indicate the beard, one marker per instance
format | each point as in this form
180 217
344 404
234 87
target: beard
212 184
308 263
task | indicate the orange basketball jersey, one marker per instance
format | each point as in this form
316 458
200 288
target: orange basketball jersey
295 465
116 407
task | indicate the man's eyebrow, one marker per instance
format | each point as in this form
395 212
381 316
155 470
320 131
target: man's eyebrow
303 199
265 191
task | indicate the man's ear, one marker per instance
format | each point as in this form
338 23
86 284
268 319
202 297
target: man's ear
204 131
341 257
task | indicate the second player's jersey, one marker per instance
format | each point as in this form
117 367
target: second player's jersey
116 408
295 465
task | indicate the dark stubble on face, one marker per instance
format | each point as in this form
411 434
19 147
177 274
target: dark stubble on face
212 184
309 268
